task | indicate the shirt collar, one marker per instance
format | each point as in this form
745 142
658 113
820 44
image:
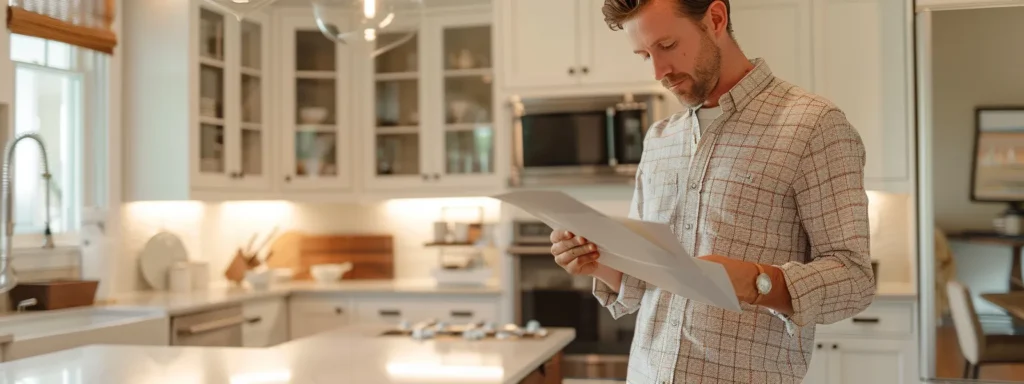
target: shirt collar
748 87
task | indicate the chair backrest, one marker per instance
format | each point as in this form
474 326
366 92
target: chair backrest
965 321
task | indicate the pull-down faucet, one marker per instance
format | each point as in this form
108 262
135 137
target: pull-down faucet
7 278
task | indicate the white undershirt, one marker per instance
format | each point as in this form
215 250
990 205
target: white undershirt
705 116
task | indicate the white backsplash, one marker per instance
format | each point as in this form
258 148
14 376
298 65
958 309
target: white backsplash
212 231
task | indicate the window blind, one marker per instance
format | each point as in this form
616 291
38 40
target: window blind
83 23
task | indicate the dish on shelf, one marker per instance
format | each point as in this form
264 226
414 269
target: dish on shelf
313 115
327 273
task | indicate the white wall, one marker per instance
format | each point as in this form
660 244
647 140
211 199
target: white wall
978 58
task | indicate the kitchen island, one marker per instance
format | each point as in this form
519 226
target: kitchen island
351 354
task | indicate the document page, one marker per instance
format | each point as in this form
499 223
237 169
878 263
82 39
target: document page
646 250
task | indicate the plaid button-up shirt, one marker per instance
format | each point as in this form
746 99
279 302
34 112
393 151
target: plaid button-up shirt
776 179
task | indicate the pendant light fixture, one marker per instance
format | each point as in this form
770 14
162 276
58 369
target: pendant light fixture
368 20
240 8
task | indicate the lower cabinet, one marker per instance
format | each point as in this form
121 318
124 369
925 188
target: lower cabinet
878 346
311 315
266 322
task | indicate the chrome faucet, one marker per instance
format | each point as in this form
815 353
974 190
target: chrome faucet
7 278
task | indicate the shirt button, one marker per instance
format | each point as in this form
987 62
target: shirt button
693 185
675 323
688 226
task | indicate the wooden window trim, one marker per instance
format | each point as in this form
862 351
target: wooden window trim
29 23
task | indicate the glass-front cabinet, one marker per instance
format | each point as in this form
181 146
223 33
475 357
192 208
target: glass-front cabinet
316 123
432 107
231 132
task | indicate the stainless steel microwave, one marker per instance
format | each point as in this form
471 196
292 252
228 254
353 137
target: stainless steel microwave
580 140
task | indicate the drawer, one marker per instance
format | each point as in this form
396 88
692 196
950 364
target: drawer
465 312
879 318
390 310
309 316
266 322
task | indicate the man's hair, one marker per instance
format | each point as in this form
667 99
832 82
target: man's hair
618 11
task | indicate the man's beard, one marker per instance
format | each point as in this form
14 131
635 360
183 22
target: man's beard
705 78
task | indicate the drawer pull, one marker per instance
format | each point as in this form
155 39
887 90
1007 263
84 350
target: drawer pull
254 320
337 310
462 313
867 320
389 312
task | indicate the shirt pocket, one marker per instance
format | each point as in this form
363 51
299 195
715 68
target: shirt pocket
661 195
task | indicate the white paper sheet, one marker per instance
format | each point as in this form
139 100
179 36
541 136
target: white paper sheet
646 250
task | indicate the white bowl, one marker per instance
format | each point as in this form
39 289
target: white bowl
259 280
326 273
313 115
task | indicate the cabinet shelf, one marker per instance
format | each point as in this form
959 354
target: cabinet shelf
250 71
472 72
211 120
467 127
398 130
315 74
211 62
394 76
316 128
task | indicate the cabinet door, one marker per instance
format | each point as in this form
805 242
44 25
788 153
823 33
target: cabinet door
865 74
541 38
308 317
466 106
817 371
252 170
396 155
606 56
315 115
869 361
266 323
212 140
778 31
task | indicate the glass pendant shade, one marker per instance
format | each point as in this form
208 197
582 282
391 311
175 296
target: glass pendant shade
240 8
360 22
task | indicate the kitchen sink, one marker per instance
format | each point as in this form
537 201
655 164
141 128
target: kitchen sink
36 333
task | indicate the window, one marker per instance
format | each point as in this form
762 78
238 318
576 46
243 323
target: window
52 98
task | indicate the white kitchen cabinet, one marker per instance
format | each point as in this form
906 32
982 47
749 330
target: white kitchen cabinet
965 4
868 75
778 31
266 322
196 108
455 309
882 337
430 122
308 316
315 102
566 45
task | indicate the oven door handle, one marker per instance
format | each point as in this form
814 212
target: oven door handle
214 325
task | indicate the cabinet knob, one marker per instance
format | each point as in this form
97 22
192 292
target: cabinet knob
437 176
585 70
337 310
254 320
461 313
819 345
287 179
572 71
426 177
835 346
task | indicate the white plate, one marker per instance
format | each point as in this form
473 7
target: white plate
160 253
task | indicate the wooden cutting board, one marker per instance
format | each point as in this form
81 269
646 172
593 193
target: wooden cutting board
372 256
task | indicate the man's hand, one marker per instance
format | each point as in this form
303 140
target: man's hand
573 253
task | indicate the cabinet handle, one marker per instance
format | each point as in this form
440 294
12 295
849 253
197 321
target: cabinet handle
338 311
426 177
867 320
585 70
254 320
287 179
462 313
437 176
835 346
389 312
572 71
819 345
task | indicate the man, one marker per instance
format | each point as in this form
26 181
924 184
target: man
758 175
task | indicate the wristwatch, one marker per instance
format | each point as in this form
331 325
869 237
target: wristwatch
763 283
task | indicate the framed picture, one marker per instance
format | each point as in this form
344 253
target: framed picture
998 171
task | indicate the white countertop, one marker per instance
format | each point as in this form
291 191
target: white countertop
902 291
352 354
179 303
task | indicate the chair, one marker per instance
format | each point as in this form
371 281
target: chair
977 347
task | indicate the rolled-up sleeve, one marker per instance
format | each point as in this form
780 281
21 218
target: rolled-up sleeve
837 282
631 290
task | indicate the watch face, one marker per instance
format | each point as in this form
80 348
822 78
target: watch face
764 284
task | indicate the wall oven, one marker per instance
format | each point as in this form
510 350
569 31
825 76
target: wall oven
580 140
546 293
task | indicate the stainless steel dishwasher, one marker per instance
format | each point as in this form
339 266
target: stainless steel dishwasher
220 327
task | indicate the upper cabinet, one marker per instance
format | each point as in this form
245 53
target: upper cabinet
778 31
566 44
430 119
195 91
314 99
